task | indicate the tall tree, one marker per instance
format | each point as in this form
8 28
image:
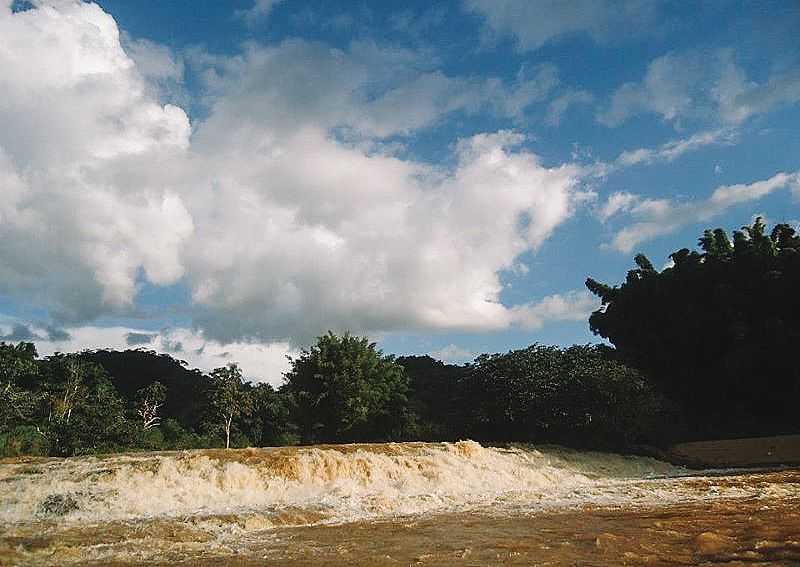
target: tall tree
229 398
148 402
345 389
68 386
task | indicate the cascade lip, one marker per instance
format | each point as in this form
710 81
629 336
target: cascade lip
752 454
343 482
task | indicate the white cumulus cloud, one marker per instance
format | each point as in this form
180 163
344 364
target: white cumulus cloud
657 217
76 114
281 209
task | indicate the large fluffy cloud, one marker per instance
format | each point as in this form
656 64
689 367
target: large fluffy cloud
336 237
285 211
75 112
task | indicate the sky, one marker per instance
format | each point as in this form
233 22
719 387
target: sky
226 181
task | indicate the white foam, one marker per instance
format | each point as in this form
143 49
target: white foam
331 484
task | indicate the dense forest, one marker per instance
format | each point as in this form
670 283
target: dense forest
701 349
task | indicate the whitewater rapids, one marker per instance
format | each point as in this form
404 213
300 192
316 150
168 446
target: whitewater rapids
194 505
331 484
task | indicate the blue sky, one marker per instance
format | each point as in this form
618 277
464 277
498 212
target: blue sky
226 180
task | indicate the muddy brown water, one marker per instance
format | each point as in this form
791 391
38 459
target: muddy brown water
394 504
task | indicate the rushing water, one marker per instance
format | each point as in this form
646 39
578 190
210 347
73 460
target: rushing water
393 504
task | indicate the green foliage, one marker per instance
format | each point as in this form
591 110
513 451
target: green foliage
69 404
577 396
717 331
175 436
605 292
645 265
132 370
85 415
344 389
17 369
23 440
716 243
61 405
229 400
433 393
269 422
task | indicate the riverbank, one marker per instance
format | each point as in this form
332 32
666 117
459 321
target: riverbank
783 450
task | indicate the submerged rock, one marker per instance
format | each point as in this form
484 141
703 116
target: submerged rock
711 543
57 505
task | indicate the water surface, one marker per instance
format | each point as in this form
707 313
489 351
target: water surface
392 504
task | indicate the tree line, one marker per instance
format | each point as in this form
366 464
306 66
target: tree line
342 389
700 349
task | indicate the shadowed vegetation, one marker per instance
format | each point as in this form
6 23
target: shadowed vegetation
715 332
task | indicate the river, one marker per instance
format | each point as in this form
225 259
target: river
393 504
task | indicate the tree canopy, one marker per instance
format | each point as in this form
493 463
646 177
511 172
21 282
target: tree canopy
715 331
578 395
104 401
433 397
345 389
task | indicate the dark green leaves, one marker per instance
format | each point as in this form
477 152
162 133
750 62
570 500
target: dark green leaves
716 332
343 388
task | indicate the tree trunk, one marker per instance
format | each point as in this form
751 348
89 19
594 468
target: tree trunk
228 432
